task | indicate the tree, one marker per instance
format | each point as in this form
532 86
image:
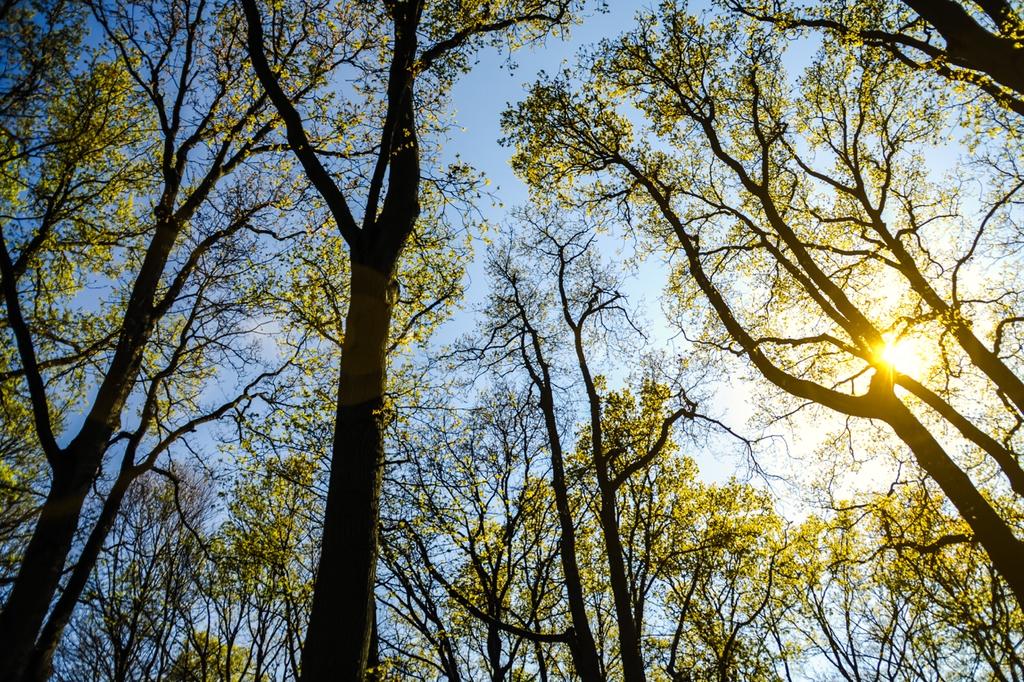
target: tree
788 209
895 588
547 322
264 560
35 47
426 45
728 560
208 206
975 42
129 173
478 515
706 571
139 607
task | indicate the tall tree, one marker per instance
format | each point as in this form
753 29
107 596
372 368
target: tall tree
424 46
790 207
698 587
138 607
478 515
131 180
973 42
895 588
548 321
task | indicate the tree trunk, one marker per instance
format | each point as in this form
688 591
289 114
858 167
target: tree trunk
41 567
494 650
582 646
341 621
629 639
373 671
1003 547
41 660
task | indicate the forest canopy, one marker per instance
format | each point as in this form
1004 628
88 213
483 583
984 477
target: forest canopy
726 383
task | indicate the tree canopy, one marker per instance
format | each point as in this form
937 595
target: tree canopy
735 391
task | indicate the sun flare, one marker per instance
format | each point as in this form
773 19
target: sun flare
904 355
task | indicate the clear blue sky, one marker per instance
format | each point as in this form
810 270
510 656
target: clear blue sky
481 96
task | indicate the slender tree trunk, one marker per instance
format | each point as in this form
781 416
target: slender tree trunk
542 665
41 567
582 646
629 639
76 465
341 621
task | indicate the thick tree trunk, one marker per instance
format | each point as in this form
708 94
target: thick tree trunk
1003 547
341 621
41 660
40 571
970 45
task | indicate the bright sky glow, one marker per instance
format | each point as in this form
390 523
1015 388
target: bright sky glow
906 355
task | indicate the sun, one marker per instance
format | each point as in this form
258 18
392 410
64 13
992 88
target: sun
905 355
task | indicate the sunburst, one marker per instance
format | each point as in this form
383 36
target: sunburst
906 355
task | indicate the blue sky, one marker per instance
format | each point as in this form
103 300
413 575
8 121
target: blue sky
479 99
481 95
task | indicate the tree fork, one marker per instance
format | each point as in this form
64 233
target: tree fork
41 661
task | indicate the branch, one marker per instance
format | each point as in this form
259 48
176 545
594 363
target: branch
1007 460
934 546
442 47
666 427
27 352
538 637
193 424
296 133
204 547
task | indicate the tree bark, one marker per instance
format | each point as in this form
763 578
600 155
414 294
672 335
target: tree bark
341 621
41 567
41 660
